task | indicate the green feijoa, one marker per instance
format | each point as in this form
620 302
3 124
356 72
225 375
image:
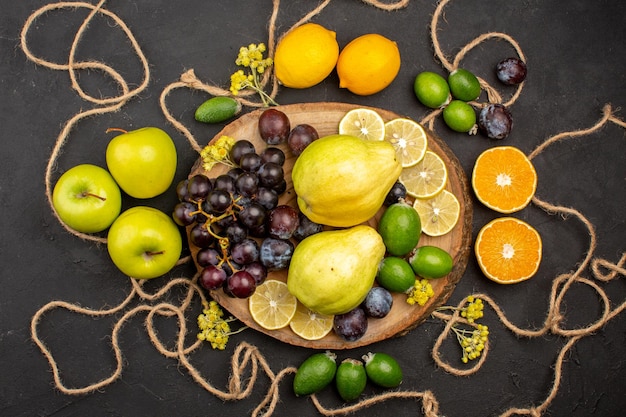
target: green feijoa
431 89
315 373
431 262
460 116
382 370
350 379
217 109
395 274
400 228
463 85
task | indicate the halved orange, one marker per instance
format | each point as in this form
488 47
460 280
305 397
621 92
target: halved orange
508 250
504 179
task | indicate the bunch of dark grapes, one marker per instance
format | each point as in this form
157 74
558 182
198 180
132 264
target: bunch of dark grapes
236 223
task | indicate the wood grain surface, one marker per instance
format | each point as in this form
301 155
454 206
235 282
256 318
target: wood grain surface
325 117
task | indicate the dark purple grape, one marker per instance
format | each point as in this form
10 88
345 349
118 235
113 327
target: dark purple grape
306 227
378 302
511 71
283 222
247 184
239 149
224 182
257 270
207 256
259 231
274 126
234 172
352 325
280 188
252 215
181 190
250 162
227 290
235 232
273 154
224 222
198 187
495 121
245 252
184 213
217 202
212 277
200 236
276 253
201 217
300 137
270 174
240 284
394 195
243 201
266 197
226 266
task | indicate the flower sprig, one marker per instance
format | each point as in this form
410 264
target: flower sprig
473 310
420 293
472 341
251 57
218 152
213 327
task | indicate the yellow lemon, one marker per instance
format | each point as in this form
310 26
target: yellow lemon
306 56
368 64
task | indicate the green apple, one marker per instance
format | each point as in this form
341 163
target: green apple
87 199
144 242
142 161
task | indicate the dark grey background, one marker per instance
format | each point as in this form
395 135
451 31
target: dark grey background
576 59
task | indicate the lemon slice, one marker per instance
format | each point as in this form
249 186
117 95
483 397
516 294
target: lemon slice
272 306
363 123
438 214
408 139
425 179
310 325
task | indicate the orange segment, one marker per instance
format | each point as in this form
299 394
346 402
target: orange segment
508 250
504 179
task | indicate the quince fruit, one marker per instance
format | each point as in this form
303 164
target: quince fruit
342 180
331 272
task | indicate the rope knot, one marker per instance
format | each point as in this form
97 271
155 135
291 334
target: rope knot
430 405
555 321
189 78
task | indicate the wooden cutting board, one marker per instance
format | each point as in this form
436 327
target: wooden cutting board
403 317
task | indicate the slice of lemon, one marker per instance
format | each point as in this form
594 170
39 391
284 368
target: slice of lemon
272 306
408 139
438 214
310 325
363 123
427 178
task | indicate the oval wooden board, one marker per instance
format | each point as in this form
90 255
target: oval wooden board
403 317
